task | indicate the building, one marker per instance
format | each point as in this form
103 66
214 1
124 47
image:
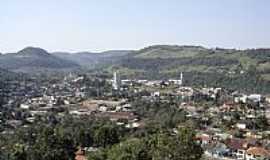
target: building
116 82
180 82
237 148
255 97
115 116
80 155
257 153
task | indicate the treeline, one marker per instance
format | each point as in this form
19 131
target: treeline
159 64
250 81
47 141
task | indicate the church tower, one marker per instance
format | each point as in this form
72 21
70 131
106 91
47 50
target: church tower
180 82
116 82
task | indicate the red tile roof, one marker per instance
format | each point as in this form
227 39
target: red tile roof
258 151
80 155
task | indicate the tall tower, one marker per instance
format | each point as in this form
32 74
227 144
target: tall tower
180 82
116 81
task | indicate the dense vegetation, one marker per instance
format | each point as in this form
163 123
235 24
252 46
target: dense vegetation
164 136
33 59
159 146
170 63
58 140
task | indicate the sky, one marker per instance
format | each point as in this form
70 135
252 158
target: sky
99 25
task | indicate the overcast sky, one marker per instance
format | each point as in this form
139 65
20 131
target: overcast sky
98 25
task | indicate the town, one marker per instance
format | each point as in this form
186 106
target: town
228 124
135 80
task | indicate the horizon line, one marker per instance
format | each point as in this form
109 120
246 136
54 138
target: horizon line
147 46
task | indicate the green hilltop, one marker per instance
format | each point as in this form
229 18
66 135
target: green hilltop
202 66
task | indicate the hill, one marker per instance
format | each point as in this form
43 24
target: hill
248 69
33 59
166 51
169 59
93 60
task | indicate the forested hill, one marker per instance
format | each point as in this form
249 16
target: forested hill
92 60
201 66
31 59
196 58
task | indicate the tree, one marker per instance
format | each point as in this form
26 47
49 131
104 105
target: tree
158 146
187 148
106 135
179 147
132 149
98 155
262 123
50 145
19 152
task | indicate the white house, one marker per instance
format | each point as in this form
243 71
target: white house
24 106
255 97
241 125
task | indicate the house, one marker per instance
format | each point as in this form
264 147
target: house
80 155
133 125
255 97
102 108
228 106
115 116
24 106
267 98
155 94
237 147
240 99
254 135
126 107
217 150
14 123
241 125
80 112
204 139
90 105
185 91
257 153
